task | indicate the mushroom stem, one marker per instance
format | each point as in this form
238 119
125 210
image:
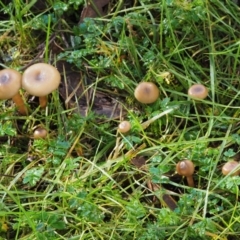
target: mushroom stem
190 181
43 101
22 109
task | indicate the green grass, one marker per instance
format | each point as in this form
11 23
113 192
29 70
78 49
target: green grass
83 181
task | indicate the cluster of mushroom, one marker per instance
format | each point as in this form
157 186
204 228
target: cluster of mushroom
186 168
148 92
145 92
39 80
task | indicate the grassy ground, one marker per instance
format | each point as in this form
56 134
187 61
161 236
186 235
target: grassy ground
86 180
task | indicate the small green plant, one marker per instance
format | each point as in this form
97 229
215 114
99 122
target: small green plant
32 176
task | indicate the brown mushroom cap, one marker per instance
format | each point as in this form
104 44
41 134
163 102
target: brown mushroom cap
146 92
230 166
124 126
40 79
40 132
198 91
10 83
185 168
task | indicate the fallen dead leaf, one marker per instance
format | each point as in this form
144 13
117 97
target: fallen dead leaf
94 9
83 99
139 162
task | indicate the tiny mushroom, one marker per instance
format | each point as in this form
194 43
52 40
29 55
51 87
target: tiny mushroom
10 83
40 132
198 91
124 127
230 167
41 79
186 168
146 92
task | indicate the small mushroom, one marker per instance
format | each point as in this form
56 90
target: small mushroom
124 127
40 132
186 168
229 167
146 92
10 83
41 79
198 91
